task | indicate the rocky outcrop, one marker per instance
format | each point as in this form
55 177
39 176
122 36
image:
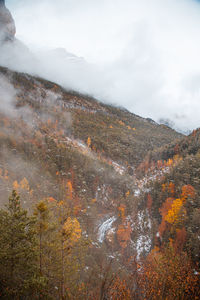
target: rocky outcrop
7 24
13 53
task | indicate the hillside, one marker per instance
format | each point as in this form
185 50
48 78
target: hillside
112 127
117 174
60 144
170 181
49 126
186 146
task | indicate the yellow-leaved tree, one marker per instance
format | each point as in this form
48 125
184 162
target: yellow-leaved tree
72 231
70 248
62 247
176 213
89 142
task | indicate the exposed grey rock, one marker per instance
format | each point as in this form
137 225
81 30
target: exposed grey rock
7 24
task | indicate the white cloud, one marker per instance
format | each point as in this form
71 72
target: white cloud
143 55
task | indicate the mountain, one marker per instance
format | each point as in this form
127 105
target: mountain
115 170
115 196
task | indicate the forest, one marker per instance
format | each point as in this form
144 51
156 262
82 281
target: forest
96 202
43 256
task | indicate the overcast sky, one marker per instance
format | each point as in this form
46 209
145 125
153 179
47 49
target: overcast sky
146 52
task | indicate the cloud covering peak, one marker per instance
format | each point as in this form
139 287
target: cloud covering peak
143 55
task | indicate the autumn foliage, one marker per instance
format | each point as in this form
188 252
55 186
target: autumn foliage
123 234
119 290
167 274
173 210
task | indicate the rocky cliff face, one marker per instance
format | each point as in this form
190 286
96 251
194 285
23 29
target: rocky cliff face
14 53
7 24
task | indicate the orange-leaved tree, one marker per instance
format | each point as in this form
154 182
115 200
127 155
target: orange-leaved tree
167 274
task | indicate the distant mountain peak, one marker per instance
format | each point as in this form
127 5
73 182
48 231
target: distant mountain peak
2 2
7 24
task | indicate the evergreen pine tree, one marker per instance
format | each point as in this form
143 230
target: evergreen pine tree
19 276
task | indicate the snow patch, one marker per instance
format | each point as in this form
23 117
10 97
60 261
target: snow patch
143 241
137 193
143 245
118 168
104 227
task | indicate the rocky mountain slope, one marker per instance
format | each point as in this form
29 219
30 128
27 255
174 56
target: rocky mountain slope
71 146
131 185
